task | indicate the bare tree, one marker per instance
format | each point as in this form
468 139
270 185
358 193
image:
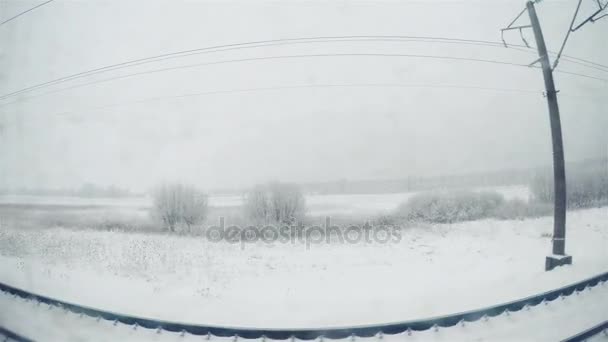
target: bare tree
275 202
179 203
194 206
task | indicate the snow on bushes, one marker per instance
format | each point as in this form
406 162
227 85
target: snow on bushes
457 206
275 203
179 204
451 206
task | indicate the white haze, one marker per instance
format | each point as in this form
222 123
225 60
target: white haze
301 135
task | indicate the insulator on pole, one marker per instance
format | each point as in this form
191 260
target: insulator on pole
435 327
159 330
182 333
409 331
462 323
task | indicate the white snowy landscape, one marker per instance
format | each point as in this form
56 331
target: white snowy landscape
434 270
303 170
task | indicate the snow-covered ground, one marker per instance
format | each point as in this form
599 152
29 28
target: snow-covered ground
434 270
317 205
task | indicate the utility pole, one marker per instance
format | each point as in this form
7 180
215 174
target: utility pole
559 256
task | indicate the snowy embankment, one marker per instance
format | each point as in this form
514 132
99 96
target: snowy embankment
434 270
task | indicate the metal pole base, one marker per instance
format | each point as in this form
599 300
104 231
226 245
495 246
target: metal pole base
554 261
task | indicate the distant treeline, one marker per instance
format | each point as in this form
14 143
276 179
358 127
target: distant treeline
410 183
86 190
474 179
497 178
586 184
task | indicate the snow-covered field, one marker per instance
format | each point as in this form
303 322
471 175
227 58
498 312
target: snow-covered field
317 205
433 270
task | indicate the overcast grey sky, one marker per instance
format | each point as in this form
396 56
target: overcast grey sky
422 127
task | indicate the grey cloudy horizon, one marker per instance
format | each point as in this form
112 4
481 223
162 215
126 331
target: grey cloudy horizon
416 116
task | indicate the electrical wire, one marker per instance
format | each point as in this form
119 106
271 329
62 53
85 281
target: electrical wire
305 86
265 58
287 41
561 49
247 45
24 12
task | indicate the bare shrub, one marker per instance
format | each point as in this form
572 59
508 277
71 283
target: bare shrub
275 203
178 203
456 206
451 206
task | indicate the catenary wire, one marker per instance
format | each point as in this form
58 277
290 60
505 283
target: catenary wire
24 12
286 41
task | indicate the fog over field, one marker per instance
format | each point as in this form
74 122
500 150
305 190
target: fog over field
415 125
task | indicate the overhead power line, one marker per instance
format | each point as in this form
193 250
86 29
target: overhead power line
24 12
571 29
287 41
592 18
561 49
107 106
266 58
295 87
247 45
558 256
